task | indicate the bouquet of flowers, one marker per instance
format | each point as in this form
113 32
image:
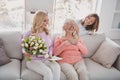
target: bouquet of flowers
33 46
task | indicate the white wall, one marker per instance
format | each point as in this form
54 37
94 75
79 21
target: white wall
46 5
106 19
35 5
106 14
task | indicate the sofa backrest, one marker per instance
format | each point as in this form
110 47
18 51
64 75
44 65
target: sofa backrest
92 42
12 43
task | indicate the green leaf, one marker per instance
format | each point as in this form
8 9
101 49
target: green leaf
28 59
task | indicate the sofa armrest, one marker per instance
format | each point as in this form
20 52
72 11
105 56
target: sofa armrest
117 63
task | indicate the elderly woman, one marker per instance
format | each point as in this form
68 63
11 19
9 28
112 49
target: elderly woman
71 48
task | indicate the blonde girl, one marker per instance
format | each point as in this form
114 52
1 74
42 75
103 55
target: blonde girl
49 70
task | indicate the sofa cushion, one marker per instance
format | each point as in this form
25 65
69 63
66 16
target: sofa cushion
10 71
12 43
107 53
35 76
30 75
25 72
62 76
98 72
92 42
4 59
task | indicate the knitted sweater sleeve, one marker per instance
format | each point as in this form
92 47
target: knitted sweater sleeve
81 46
59 46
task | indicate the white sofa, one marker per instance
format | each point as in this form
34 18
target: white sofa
17 69
12 42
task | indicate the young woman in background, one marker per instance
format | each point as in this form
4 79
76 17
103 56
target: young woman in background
89 25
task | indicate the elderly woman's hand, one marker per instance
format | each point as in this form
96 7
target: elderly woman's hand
67 42
73 41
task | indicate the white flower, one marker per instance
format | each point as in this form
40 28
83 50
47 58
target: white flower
35 47
39 41
36 44
41 51
45 46
31 43
26 45
32 37
44 52
23 50
34 52
40 45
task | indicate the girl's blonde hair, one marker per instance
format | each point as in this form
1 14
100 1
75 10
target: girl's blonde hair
72 23
38 21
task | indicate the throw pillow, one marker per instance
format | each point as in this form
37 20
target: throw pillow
107 53
93 42
4 59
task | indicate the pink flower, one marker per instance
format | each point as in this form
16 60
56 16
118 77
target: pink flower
30 48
